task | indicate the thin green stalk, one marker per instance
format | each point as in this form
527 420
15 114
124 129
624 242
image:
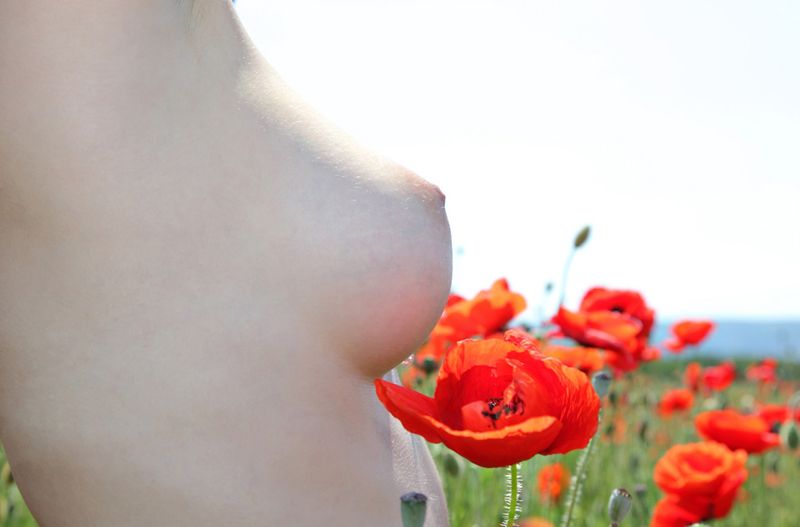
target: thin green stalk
576 486
512 495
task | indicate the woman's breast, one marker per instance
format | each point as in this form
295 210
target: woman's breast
379 263
188 314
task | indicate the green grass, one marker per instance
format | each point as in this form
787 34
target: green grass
475 495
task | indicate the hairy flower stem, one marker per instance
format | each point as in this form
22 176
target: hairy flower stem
576 485
514 486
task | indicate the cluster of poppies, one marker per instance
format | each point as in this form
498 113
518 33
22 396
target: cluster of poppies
700 481
504 395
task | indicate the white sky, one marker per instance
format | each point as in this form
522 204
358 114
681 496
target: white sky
673 128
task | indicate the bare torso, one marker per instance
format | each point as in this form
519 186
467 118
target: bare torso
199 280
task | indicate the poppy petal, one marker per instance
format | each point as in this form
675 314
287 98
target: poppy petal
413 409
501 447
579 408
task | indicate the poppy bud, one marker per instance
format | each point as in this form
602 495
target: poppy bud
601 382
429 365
790 437
619 505
413 506
612 398
582 236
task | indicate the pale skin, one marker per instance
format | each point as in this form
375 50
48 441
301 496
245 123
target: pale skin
199 280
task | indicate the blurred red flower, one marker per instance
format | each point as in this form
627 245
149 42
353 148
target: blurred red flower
688 333
611 319
677 400
701 481
588 360
719 377
412 377
776 414
483 315
691 376
763 372
600 329
630 303
747 432
499 402
552 481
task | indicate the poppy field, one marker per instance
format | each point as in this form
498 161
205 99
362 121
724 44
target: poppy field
632 436
581 421
592 426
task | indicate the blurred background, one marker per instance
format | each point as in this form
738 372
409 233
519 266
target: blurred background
673 129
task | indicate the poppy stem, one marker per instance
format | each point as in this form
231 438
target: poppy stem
576 485
512 495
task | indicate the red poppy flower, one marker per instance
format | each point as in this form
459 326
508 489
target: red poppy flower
588 360
776 414
763 372
629 303
747 432
719 377
552 480
615 320
691 376
483 315
688 333
676 400
701 481
499 402
600 329
669 512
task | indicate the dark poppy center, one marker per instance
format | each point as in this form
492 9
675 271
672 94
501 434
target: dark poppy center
496 408
617 309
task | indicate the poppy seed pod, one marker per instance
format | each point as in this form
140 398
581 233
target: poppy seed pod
413 506
790 437
601 381
583 236
619 504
